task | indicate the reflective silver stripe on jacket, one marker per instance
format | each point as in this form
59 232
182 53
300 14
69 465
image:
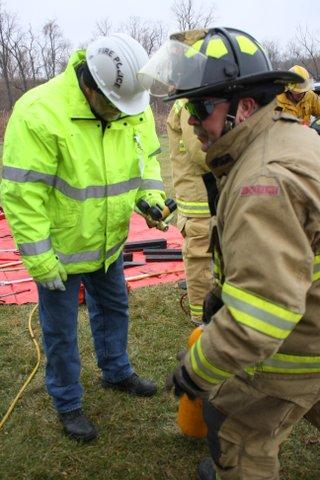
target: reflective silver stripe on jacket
122 187
22 175
151 185
113 249
35 248
88 256
80 257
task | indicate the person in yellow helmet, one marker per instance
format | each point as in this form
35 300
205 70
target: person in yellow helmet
299 99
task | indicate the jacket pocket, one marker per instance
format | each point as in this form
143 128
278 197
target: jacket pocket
181 223
239 400
65 219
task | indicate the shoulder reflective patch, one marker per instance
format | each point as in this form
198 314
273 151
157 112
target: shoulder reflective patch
246 45
260 190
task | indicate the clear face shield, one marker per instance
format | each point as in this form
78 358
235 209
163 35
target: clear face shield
175 66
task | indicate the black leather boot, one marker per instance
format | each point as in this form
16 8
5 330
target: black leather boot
134 385
205 470
78 426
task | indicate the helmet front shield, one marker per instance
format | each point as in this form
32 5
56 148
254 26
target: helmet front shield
175 66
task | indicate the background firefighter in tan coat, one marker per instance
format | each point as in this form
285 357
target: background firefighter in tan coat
258 360
299 99
188 166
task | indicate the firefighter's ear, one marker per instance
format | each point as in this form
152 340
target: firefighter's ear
246 107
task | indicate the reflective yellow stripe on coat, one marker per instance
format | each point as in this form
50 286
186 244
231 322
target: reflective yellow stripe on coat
290 364
259 314
196 310
205 369
192 208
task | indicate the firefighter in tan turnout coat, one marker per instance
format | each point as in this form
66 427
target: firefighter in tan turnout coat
257 363
188 165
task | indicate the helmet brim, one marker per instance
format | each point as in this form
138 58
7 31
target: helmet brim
130 106
238 85
302 87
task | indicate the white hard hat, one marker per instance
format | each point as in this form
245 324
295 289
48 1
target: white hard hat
114 62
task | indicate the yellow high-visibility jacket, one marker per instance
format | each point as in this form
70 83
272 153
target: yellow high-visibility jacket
69 188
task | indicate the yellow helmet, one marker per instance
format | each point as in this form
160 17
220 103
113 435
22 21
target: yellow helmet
303 87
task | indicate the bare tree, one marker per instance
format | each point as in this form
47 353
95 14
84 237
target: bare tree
8 26
54 49
306 49
150 34
188 16
33 54
104 27
274 53
19 56
25 53
25 59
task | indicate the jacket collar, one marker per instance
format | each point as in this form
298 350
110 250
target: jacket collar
224 153
78 104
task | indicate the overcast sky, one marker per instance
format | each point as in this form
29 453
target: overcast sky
272 19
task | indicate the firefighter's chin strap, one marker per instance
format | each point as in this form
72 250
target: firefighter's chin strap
266 92
231 116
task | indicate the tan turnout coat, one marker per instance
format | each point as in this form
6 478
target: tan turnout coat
268 241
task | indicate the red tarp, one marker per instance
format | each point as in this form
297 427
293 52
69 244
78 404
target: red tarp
138 231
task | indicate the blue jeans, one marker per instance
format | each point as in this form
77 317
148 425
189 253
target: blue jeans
107 301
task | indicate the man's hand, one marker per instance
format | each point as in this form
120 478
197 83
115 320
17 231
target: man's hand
211 305
157 213
180 382
54 279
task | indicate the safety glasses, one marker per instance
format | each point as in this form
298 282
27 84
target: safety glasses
201 108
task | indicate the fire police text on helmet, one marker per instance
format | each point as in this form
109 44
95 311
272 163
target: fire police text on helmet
117 62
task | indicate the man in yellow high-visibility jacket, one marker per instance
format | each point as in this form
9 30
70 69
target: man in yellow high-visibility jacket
79 152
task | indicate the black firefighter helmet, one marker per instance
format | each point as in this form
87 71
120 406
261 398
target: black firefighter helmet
220 62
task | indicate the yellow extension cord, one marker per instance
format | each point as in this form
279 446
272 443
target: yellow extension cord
26 383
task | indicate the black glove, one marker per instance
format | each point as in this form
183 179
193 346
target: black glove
211 305
182 384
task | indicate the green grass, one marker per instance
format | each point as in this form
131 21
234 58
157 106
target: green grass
138 438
